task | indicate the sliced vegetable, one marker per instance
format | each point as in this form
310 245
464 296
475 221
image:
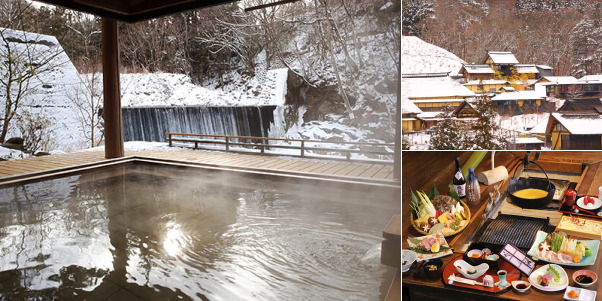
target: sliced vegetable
430 209
556 242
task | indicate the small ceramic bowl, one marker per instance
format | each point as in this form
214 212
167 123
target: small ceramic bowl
469 271
408 257
585 273
474 253
432 268
493 257
521 286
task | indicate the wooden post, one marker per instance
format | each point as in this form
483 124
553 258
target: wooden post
397 154
112 93
169 137
302 148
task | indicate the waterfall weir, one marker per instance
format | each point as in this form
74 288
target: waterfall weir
151 123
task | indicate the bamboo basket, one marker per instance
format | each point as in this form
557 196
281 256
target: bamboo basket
466 209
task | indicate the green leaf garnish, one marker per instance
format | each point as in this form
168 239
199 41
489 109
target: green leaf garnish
434 192
552 272
453 193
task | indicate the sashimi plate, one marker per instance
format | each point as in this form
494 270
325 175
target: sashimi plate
562 283
589 260
426 255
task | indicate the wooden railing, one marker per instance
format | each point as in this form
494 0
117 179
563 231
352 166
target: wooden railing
307 148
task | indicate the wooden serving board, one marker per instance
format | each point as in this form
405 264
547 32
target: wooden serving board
591 228
513 274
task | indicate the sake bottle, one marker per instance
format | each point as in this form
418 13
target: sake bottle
458 181
473 190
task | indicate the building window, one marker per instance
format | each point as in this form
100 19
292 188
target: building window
575 142
558 127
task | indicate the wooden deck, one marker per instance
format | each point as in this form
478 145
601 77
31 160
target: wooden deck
355 171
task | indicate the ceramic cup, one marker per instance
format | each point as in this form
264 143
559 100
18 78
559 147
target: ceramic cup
502 274
488 281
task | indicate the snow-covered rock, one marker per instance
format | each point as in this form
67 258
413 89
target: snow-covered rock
50 90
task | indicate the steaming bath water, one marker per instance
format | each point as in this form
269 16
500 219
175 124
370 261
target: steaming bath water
167 232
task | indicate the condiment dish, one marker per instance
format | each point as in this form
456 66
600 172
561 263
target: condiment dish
408 257
521 286
580 275
469 271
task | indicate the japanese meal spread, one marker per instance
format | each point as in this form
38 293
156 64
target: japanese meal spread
494 265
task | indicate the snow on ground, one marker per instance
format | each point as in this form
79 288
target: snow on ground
10 154
419 56
524 122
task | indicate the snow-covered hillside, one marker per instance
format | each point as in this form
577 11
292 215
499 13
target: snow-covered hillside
168 89
419 56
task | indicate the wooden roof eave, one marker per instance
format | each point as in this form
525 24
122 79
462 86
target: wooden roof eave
134 10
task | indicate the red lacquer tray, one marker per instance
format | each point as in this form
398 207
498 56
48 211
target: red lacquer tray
586 213
513 274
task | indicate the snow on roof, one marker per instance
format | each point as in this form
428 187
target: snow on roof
434 87
502 57
590 79
544 67
518 95
408 107
580 123
487 82
526 68
478 69
421 57
508 89
555 80
525 140
429 115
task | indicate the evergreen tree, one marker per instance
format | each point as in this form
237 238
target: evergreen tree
448 134
485 129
